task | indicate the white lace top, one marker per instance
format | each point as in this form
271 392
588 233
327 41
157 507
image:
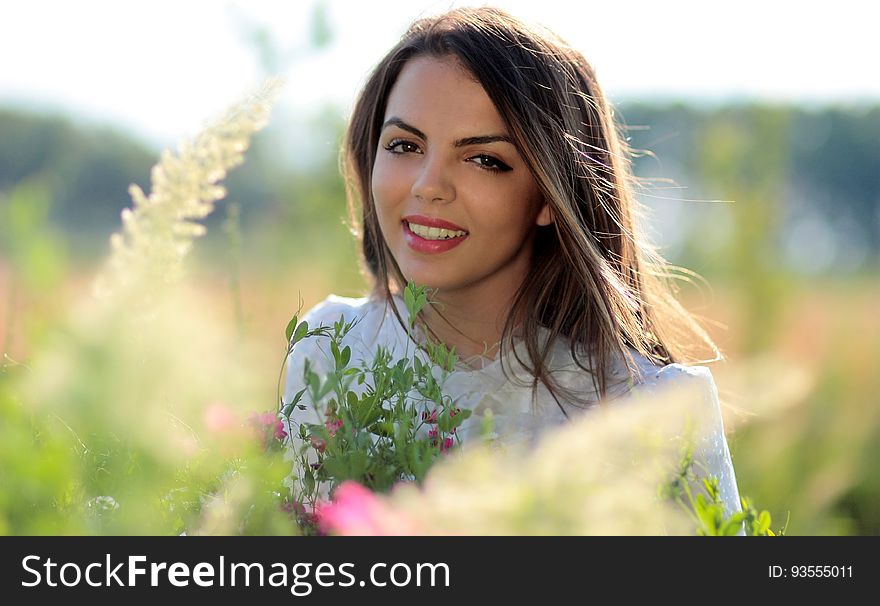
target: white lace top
516 417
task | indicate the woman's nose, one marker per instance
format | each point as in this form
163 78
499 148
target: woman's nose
433 181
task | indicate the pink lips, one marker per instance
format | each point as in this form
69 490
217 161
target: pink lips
422 245
433 222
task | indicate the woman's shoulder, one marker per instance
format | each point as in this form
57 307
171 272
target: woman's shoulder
693 384
371 320
695 379
334 306
650 376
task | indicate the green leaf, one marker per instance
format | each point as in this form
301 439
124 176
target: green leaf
288 332
289 407
733 525
300 332
346 355
358 463
308 480
314 385
336 468
764 521
708 514
409 299
452 360
329 385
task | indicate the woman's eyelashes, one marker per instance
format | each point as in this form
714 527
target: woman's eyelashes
484 161
491 164
399 146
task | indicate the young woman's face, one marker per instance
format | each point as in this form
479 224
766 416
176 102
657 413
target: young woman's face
445 158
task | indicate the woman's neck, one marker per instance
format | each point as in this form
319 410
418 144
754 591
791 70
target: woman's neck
472 322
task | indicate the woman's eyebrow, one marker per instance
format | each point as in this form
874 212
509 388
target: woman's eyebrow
481 140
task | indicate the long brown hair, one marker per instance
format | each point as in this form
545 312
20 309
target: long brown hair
594 278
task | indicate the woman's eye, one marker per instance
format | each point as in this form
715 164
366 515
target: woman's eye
489 163
401 147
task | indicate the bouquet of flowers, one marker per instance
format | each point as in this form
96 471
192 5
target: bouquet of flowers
385 422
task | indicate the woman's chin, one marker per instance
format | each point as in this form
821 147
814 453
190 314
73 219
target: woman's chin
429 279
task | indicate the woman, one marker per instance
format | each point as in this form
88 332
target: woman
483 161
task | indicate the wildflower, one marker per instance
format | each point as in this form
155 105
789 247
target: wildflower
447 444
318 444
267 426
430 418
299 513
333 425
357 511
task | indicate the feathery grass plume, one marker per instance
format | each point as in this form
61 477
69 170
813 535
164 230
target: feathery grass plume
158 231
598 475
124 386
767 386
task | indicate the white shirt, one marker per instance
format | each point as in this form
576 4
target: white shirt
516 417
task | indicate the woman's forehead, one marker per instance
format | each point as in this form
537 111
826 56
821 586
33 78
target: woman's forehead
439 95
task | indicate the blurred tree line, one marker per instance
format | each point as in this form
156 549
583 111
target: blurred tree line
795 175
782 165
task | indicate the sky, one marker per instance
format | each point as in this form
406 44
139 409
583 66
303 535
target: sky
162 68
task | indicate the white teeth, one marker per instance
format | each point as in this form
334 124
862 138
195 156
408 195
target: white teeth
434 233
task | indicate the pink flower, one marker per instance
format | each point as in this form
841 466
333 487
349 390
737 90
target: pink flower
355 511
430 418
318 444
280 434
299 513
267 426
333 425
447 444
432 433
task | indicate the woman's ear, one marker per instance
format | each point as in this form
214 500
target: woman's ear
545 215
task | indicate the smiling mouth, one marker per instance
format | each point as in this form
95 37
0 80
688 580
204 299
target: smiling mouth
434 233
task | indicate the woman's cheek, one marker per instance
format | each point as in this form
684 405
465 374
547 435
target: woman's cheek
385 183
